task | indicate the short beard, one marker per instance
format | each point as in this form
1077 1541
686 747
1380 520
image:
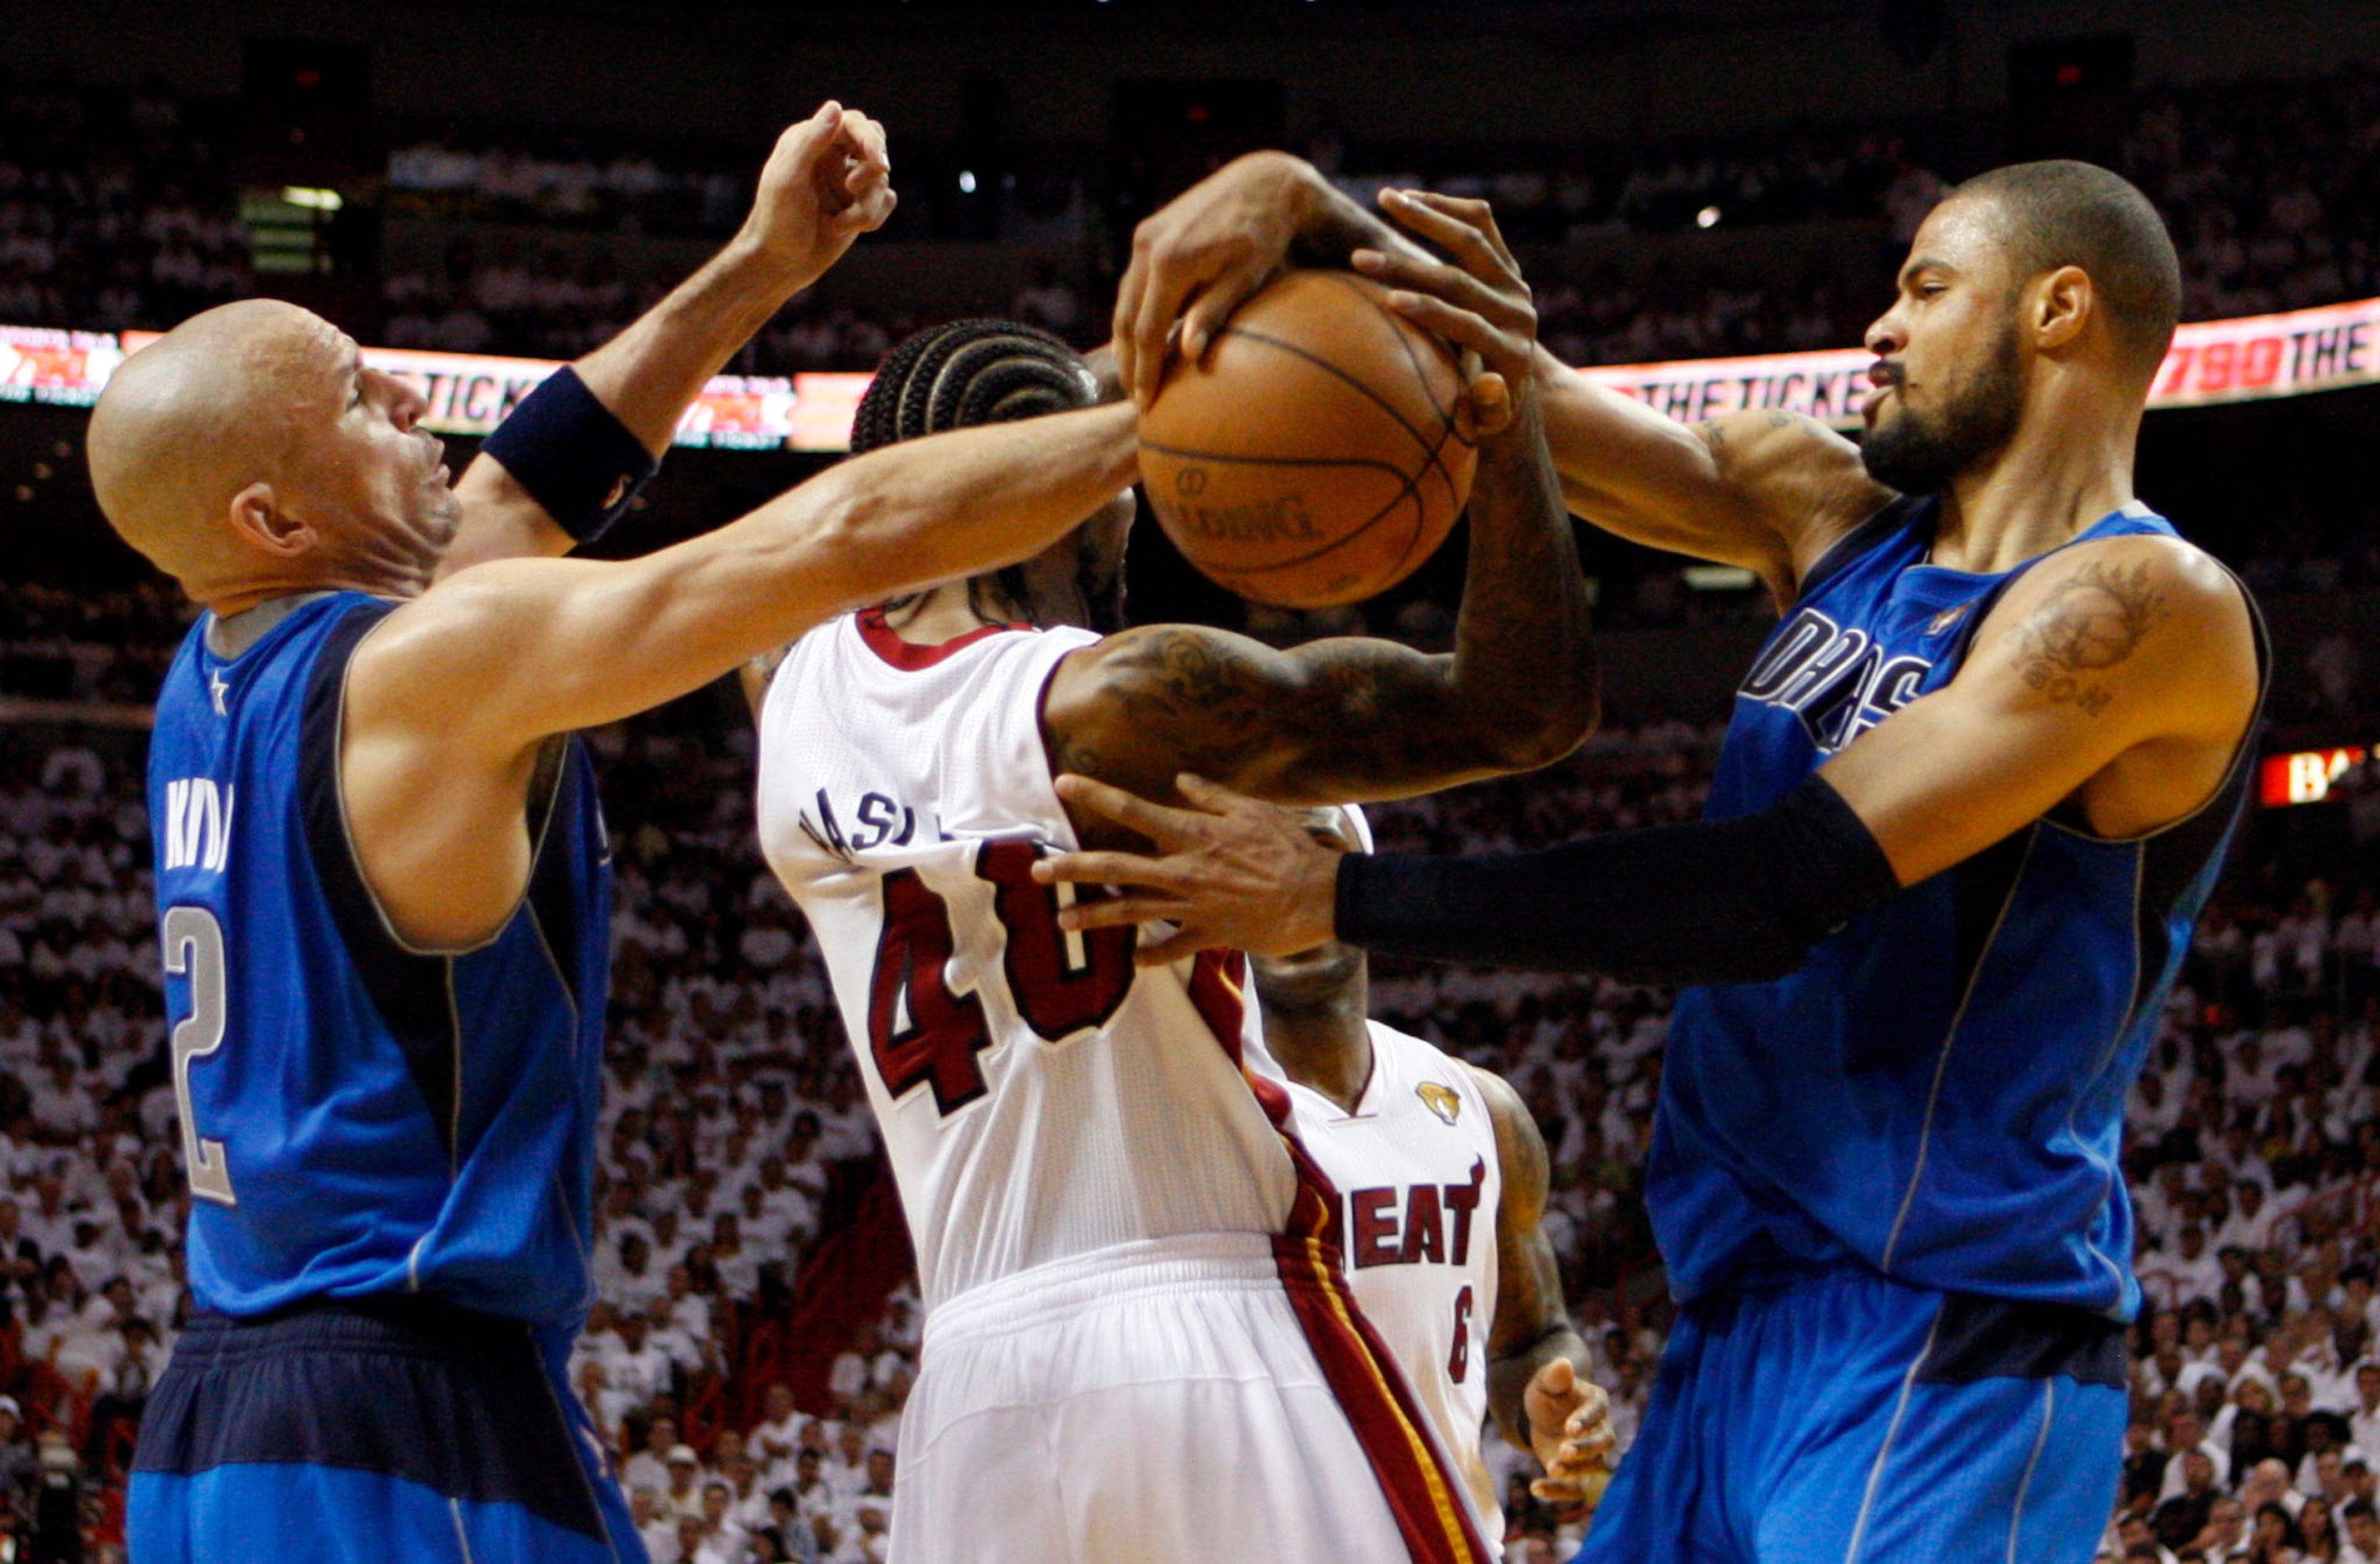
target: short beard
1915 457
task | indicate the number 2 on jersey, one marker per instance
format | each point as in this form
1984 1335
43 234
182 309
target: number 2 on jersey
194 946
920 1032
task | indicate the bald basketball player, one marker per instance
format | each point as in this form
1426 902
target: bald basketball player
383 879
1975 790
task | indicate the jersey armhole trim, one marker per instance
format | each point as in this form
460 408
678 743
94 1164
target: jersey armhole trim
543 884
552 766
1851 545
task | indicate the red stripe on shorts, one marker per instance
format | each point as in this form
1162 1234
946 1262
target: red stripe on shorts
1415 1477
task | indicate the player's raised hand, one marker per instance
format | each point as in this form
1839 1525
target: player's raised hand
1234 872
827 181
1195 260
1477 300
1570 1426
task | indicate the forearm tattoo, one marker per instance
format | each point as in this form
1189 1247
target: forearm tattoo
1364 708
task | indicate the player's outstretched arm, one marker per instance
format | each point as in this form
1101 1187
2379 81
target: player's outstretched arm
1355 718
827 182
1768 492
2121 674
449 699
557 645
1537 1364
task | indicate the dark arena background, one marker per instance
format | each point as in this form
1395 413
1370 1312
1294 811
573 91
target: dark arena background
483 188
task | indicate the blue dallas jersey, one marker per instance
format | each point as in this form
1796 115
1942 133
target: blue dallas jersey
358 1118
1939 1092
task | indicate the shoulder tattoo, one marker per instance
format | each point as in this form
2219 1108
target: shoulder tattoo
2092 621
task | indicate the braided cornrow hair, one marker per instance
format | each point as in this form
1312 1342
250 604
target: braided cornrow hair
966 373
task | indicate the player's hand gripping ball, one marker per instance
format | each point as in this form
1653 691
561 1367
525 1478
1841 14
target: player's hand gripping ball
1312 456
1322 446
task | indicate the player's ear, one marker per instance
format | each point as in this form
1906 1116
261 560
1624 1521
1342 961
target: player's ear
258 519
2063 305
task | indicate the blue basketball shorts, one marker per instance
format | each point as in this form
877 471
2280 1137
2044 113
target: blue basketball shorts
358 1432
1831 1416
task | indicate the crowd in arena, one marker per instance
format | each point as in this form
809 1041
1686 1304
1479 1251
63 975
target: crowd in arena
1550 195
735 1123
118 210
1801 176
545 306
735 1134
2253 1156
2268 186
90 1222
513 297
63 643
508 180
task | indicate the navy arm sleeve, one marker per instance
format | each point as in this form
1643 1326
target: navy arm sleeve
1738 901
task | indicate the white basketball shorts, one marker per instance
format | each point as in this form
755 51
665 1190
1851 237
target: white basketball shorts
1186 1399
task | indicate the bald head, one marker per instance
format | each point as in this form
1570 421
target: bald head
251 453
188 422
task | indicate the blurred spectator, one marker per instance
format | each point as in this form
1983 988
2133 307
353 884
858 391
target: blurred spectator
116 209
735 1134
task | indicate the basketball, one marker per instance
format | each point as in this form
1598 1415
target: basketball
1312 459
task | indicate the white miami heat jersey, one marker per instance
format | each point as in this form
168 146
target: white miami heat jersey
1419 1180
1040 1095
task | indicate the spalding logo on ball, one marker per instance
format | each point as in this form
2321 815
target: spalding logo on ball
1312 459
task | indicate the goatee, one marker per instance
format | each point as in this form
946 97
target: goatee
1920 456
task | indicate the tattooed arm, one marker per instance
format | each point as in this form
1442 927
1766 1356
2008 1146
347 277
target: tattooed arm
2120 678
752 677
2119 675
1355 718
1351 719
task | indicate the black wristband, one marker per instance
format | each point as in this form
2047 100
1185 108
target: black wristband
572 454
1736 901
